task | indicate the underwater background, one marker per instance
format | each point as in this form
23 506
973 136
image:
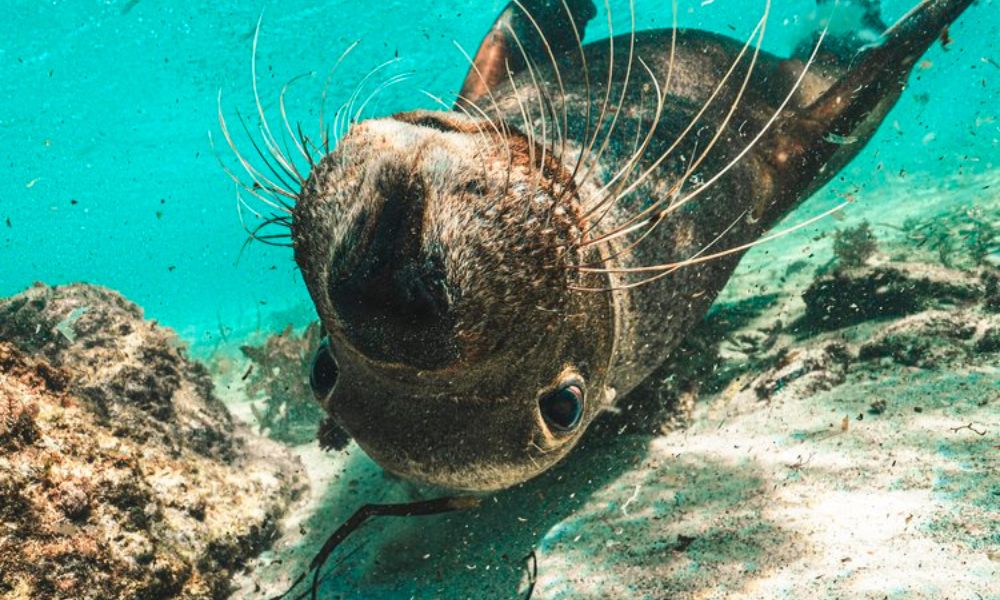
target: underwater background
107 106
847 459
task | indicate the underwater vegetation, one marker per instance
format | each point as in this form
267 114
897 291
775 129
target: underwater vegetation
279 374
962 237
853 246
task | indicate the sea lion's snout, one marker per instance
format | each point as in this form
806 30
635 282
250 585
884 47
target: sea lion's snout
458 353
392 299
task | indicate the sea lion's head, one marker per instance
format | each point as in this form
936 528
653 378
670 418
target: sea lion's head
440 256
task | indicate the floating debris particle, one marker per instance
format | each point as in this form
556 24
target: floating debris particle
65 327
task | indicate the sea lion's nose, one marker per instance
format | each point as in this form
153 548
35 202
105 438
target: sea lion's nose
394 304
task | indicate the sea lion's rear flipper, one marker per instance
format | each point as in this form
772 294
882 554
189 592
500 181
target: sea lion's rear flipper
842 119
536 29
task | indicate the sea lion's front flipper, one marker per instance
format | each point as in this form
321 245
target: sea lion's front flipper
842 119
516 34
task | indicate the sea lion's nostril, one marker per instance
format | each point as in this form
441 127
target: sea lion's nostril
324 372
420 290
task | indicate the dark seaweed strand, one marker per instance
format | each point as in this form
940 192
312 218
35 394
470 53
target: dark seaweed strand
531 566
363 514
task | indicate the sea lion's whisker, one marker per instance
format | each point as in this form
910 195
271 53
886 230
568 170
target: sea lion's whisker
482 138
558 139
671 194
240 202
305 142
596 159
622 176
258 178
484 116
254 234
271 203
377 98
240 183
288 125
496 129
753 142
558 74
389 82
720 129
590 142
527 126
269 140
394 80
668 272
529 123
493 101
640 112
341 124
645 234
345 113
279 172
633 161
308 143
324 132
732 109
586 82
694 120
542 101
531 67
336 129
661 98
265 221
556 127
670 267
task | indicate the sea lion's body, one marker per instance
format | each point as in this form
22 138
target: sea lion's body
477 320
654 317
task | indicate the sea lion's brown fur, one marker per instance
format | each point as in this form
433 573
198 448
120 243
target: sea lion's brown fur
447 272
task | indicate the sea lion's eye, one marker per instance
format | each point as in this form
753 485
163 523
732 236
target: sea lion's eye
323 375
562 408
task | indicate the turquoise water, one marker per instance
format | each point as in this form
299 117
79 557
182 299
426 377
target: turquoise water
106 106
842 482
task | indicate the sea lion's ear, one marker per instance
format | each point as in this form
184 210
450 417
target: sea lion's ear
531 28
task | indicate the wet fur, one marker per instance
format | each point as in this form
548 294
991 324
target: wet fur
455 257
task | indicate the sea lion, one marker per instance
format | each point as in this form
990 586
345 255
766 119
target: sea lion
491 278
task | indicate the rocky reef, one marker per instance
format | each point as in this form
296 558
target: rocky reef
121 473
